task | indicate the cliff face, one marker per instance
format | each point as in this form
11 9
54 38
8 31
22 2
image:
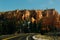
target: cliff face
49 16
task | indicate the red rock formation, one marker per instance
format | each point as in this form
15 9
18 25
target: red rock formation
38 15
49 16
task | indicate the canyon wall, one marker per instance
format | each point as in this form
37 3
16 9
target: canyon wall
48 17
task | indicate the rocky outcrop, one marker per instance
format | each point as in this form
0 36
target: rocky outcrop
50 17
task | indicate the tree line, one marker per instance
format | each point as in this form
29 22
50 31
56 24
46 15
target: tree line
12 26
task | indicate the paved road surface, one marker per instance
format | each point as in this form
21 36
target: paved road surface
23 36
27 36
5 36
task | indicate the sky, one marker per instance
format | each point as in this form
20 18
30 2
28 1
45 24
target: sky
6 5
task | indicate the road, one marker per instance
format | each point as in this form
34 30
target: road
23 36
5 36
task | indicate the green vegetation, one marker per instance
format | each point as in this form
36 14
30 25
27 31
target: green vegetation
11 26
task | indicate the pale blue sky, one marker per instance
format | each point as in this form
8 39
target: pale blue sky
6 5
